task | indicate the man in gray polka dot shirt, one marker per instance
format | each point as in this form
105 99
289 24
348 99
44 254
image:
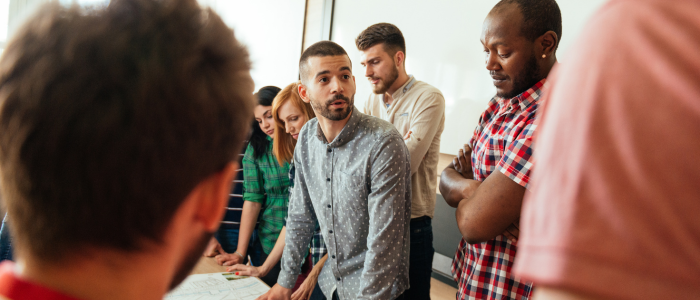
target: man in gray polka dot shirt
353 176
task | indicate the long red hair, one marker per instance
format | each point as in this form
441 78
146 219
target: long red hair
283 143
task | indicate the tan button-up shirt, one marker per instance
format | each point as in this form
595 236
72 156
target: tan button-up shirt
420 108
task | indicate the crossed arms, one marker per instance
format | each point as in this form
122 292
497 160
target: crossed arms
484 209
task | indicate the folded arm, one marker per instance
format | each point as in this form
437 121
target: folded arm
457 180
494 205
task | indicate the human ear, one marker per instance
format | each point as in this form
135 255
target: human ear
399 58
212 195
303 93
548 43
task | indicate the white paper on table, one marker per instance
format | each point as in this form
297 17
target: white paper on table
218 286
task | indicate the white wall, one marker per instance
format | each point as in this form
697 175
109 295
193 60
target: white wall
272 30
4 19
443 49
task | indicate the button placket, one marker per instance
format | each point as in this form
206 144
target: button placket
331 223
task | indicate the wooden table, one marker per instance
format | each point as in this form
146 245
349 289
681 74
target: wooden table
207 265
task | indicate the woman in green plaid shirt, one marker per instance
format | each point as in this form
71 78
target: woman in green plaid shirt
290 114
265 193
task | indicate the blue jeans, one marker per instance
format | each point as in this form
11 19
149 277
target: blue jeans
421 259
228 238
5 241
258 257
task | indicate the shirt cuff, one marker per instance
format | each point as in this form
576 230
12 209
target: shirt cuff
287 280
253 197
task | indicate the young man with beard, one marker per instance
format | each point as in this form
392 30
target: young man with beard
353 176
121 127
487 184
417 110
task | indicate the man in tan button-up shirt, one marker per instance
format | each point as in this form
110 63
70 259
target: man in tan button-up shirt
417 110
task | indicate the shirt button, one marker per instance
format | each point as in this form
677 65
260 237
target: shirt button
329 206
330 231
329 150
333 256
338 279
328 179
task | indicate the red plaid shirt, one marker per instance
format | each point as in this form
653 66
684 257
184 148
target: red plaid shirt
502 141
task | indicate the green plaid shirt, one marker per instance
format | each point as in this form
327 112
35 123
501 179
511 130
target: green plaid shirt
265 182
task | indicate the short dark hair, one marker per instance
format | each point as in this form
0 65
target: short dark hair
258 139
539 16
385 33
322 48
110 117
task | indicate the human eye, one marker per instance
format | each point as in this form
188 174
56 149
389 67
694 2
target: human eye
294 119
323 79
346 76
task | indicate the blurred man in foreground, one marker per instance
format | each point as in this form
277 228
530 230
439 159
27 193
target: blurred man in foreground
614 207
120 129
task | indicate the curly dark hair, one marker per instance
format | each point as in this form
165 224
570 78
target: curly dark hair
539 16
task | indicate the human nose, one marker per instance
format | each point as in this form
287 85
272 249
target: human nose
265 123
368 71
336 86
287 128
492 62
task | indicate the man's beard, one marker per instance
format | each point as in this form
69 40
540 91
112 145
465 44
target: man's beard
191 260
338 114
526 79
387 82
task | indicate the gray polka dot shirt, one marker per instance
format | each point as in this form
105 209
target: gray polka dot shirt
358 187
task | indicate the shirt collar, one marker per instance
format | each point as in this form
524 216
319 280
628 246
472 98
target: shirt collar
528 97
345 135
404 88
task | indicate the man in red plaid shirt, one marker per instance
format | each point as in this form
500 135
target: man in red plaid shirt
520 39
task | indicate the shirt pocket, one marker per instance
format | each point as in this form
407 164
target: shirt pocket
351 193
402 122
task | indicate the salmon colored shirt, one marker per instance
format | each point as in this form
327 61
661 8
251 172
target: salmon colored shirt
615 203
